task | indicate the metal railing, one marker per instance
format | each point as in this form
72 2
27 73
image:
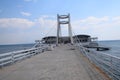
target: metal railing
108 63
12 57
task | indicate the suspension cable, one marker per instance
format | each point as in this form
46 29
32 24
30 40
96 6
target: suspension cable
78 40
51 29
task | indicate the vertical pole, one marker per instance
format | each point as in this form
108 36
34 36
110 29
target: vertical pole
70 30
58 26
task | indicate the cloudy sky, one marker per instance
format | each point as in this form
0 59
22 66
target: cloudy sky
24 21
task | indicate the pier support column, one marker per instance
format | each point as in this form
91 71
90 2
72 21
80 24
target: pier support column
61 20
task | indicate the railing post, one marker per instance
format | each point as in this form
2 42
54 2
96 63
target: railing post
40 50
111 65
12 56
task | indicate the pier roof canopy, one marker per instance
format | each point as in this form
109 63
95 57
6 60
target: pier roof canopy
49 37
82 36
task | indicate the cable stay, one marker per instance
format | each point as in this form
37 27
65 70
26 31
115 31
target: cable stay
39 43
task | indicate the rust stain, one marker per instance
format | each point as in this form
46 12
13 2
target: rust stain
101 71
96 68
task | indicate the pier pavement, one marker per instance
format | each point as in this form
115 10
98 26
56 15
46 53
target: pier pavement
62 63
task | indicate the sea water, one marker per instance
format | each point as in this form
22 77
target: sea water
114 46
14 47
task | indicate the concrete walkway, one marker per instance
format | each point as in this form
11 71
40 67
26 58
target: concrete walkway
60 64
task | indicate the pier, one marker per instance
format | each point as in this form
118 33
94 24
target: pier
98 48
62 63
60 58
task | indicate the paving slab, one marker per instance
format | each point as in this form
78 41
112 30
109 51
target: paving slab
62 63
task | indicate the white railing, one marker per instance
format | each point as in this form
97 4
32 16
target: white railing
12 57
108 63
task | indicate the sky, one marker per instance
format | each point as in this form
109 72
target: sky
24 21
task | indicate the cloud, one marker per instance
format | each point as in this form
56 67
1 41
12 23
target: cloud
19 30
105 28
94 20
46 21
25 14
91 22
46 24
99 27
116 18
15 23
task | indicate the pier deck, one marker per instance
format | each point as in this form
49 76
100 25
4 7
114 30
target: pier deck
62 63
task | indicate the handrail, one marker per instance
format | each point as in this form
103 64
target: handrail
12 57
108 63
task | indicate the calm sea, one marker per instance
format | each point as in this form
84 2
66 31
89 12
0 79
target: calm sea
114 46
15 47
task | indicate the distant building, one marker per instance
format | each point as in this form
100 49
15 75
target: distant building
76 39
81 38
49 39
